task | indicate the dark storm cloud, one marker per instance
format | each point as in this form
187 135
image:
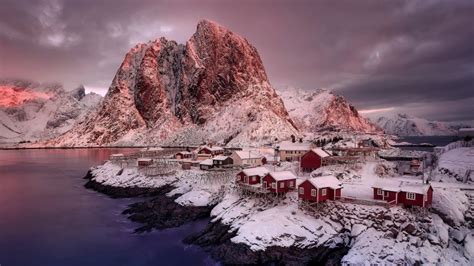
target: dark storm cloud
415 56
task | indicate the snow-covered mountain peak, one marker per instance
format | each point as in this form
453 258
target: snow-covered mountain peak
321 109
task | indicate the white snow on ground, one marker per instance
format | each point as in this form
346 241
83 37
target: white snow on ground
457 162
261 222
195 198
451 202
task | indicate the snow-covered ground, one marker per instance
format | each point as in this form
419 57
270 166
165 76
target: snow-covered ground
454 164
374 234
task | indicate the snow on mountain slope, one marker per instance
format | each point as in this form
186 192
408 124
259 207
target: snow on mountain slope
319 110
213 88
406 125
30 111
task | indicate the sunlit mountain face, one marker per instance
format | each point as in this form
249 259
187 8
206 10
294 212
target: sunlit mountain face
16 96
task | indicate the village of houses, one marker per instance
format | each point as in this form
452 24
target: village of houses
304 194
259 171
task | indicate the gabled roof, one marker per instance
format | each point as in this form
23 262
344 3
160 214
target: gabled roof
213 148
326 181
245 155
282 175
220 158
294 146
207 162
184 152
320 152
400 186
260 171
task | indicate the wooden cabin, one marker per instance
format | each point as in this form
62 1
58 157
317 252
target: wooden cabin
222 160
320 189
279 182
183 155
292 151
313 159
252 176
206 164
211 150
407 194
249 158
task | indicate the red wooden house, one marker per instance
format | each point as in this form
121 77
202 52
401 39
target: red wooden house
319 189
252 176
211 150
183 155
404 193
279 182
313 159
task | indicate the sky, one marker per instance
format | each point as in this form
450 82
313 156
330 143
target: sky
414 57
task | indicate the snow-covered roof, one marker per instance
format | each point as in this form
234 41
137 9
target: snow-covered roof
282 175
399 186
260 171
320 152
213 148
294 146
248 155
144 159
220 158
206 162
117 155
184 152
326 181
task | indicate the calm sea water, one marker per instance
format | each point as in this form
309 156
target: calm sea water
47 217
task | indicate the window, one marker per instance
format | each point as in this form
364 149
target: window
411 196
379 191
282 184
265 185
323 192
274 185
301 190
253 178
313 192
292 184
246 178
386 193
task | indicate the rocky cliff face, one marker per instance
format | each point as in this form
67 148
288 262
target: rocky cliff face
213 88
322 110
31 111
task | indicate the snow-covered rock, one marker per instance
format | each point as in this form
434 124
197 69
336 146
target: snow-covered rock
30 111
322 110
213 88
406 125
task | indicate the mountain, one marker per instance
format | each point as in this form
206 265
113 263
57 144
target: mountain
406 125
31 111
322 110
213 88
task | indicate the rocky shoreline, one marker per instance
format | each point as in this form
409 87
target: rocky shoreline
159 211
216 239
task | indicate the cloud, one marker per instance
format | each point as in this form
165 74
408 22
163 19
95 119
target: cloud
415 55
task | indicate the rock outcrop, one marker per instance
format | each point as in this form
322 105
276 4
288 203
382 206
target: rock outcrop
213 88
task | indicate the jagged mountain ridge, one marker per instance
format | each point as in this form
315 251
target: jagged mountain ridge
213 88
322 110
30 111
406 125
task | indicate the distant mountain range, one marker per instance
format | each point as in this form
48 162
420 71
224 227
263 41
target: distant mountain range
31 111
406 125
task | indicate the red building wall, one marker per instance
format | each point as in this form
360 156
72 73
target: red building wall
307 186
310 161
250 182
269 179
